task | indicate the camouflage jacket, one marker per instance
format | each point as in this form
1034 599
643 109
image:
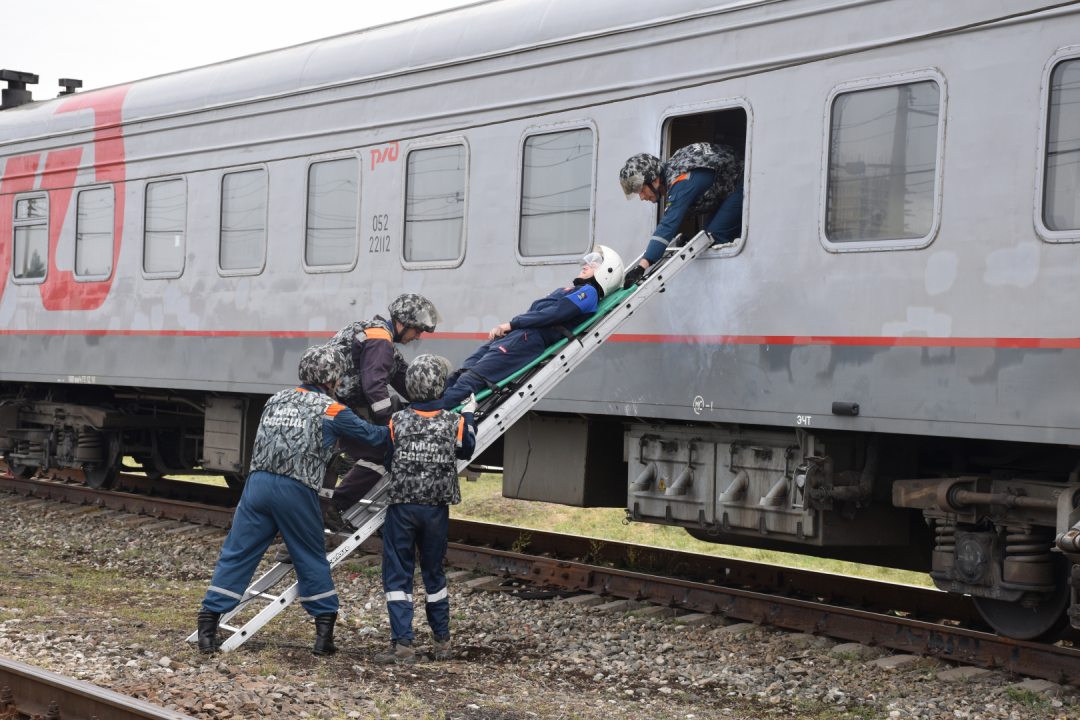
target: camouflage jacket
719 158
363 385
289 441
424 468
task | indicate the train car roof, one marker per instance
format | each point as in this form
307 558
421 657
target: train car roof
472 33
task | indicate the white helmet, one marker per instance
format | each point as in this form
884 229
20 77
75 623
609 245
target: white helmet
607 268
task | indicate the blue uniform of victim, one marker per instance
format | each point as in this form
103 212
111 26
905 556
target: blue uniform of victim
272 503
530 334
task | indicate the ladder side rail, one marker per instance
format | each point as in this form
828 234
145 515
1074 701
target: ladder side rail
260 587
573 354
287 598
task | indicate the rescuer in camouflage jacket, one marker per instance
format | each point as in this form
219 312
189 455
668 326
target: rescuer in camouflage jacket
699 179
427 443
293 445
373 364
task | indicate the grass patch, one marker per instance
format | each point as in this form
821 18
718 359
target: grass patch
482 500
1027 697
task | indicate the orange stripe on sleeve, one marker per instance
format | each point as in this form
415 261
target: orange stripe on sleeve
460 429
391 428
378 334
334 409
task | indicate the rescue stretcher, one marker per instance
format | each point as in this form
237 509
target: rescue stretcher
498 407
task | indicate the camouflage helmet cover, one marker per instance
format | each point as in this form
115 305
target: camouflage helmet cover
415 311
425 380
321 365
639 170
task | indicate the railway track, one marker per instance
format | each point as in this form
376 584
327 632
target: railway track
899 617
30 692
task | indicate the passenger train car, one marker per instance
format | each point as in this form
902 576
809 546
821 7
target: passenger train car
882 368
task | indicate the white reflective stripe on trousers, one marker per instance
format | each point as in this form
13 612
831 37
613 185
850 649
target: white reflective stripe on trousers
398 596
441 595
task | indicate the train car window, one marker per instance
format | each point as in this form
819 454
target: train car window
883 163
31 238
94 223
1061 195
435 204
724 126
333 194
556 193
243 220
163 227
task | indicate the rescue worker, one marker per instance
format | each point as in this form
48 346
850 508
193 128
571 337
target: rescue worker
427 442
699 179
513 345
293 445
372 365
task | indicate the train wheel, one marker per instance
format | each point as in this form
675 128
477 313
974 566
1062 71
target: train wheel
20 471
104 475
101 477
236 482
1044 621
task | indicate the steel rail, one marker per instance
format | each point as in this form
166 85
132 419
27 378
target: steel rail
214 515
1051 662
30 691
756 592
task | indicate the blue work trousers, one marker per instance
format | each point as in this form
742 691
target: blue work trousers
725 224
494 361
410 530
272 503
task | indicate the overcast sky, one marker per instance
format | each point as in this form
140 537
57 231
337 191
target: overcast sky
106 42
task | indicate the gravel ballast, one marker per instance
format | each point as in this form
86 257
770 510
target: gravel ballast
109 597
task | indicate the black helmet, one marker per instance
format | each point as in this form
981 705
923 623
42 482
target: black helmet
640 170
321 365
425 380
415 311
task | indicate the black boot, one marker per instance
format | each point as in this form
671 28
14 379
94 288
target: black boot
208 625
324 634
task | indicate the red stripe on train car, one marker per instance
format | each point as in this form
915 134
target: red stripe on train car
856 341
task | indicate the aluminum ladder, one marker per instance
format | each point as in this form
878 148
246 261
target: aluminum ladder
368 515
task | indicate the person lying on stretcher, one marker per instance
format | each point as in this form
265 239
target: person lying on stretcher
513 345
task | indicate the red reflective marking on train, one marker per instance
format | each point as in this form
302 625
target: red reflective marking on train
18 177
1027 343
60 291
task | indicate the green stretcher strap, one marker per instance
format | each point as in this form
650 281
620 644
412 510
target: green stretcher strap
606 305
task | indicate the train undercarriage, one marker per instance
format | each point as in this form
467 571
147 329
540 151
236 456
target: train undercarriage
987 519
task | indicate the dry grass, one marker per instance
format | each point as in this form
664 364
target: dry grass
482 500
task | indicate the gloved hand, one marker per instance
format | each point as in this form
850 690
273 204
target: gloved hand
632 276
470 404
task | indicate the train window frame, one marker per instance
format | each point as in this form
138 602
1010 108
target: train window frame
699 108
431 144
172 274
551 129
242 272
1065 54
23 223
75 249
315 160
883 81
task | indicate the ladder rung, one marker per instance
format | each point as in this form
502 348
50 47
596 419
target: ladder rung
230 628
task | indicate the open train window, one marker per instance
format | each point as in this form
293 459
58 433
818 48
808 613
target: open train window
726 124
31 238
95 221
882 163
436 190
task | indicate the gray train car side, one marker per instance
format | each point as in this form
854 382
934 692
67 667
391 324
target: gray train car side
881 368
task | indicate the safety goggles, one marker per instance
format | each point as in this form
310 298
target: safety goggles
592 260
